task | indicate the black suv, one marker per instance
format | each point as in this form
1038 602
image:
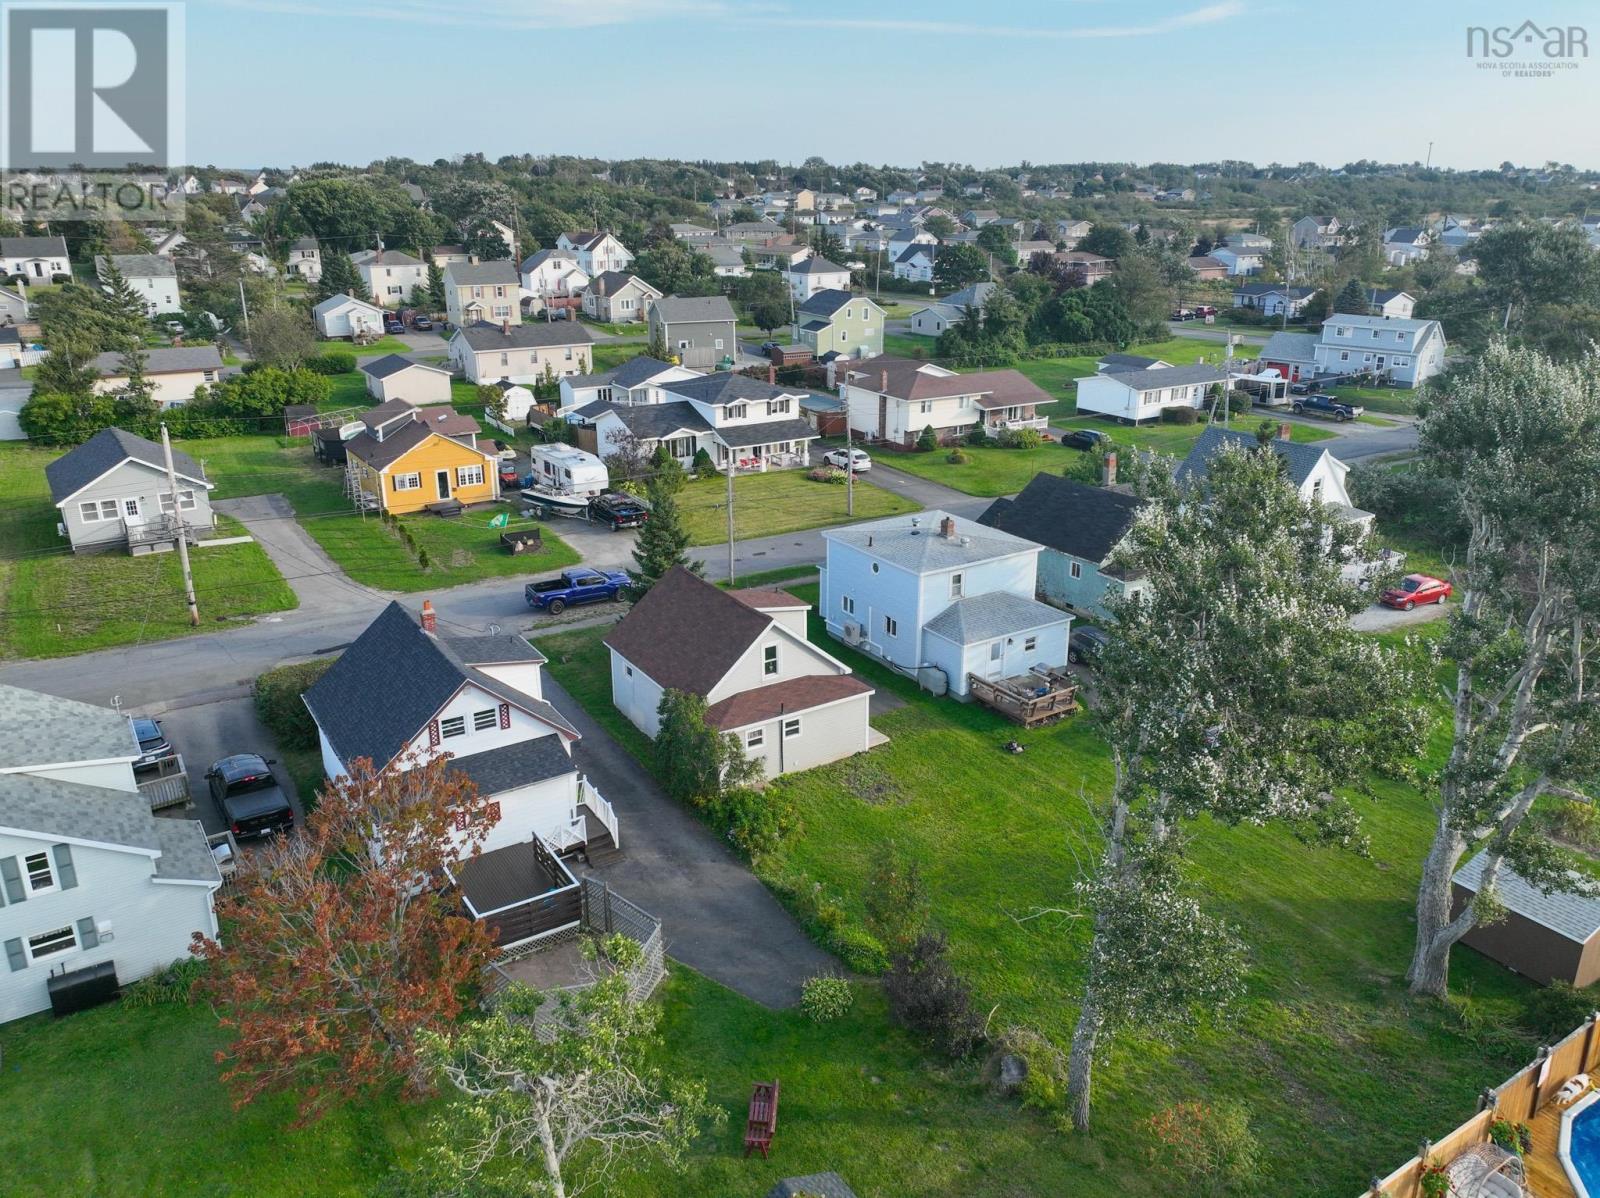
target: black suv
250 798
616 510
1086 644
1084 438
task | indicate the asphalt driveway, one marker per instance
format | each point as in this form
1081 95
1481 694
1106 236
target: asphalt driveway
716 917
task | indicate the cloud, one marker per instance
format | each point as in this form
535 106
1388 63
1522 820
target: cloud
1208 15
509 14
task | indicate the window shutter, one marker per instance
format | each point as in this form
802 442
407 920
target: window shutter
15 955
505 715
65 870
12 877
88 935
433 734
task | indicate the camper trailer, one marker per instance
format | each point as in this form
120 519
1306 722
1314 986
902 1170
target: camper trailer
564 478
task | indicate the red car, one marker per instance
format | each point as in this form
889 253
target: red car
1414 589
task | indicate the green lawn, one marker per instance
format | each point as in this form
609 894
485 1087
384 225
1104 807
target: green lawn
990 470
1340 1070
907 345
459 551
608 355
1396 401
781 501
53 602
383 345
634 328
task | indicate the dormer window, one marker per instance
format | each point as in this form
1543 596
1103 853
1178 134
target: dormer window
736 411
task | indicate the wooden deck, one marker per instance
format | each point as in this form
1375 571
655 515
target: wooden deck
1546 1177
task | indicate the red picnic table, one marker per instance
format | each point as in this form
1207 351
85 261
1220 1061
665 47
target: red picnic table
763 1120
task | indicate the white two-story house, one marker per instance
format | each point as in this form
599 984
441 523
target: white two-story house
640 380
1409 352
92 885
896 399
596 252
521 353
305 259
940 598
552 275
811 275
745 653
154 279
756 425
391 277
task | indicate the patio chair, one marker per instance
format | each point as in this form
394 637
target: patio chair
1486 1171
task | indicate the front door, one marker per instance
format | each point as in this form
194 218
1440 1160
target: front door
444 484
38 270
997 661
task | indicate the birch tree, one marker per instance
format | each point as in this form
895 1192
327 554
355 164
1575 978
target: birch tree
571 1101
1233 689
1520 436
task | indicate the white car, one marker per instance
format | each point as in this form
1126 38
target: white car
848 459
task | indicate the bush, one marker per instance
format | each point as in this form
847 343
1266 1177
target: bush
826 474
1576 823
825 998
928 441
957 456
332 361
1179 415
1204 1149
1044 1086
927 996
277 695
1554 1010
897 901
753 822
859 949
703 466
978 435
1023 438
1411 497
174 984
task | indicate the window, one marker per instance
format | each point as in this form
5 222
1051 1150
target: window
505 359
47 944
848 603
469 476
791 728
778 407
769 660
569 353
130 507
37 867
736 411
502 311
924 407
456 725
185 502
1030 644
483 721
719 343
1344 355
1316 491
628 670
394 290
956 582
997 650
477 293
106 509
755 739
891 626
683 345
210 376
1076 569
408 482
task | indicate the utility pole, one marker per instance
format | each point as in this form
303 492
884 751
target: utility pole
730 516
849 463
1506 323
182 531
244 307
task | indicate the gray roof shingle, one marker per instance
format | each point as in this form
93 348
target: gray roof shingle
519 764
914 541
1290 347
1575 916
985 617
484 337
1069 517
382 368
168 360
693 309
1156 377
1300 459
106 450
813 1185
482 274
138 266
33 247
39 729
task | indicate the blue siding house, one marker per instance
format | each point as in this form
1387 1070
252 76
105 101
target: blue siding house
1079 526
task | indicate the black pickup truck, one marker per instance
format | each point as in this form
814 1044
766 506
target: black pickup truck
1325 405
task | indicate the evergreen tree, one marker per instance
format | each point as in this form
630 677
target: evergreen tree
1352 299
340 277
436 297
662 542
125 313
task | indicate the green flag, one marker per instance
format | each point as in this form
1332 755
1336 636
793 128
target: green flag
500 520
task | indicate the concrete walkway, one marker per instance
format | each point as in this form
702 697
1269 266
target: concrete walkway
716 917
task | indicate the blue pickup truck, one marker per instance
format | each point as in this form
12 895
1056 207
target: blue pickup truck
575 586
1325 405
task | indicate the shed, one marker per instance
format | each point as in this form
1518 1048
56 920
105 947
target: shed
394 376
1551 937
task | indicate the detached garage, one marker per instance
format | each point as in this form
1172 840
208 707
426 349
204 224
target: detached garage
1547 937
397 377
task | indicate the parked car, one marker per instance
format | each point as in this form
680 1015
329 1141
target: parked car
154 748
251 800
852 459
616 510
1205 310
1086 644
768 346
509 476
393 324
1182 314
1414 589
422 322
1084 438
1324 405
574 586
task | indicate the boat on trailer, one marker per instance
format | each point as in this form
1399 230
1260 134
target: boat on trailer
564 479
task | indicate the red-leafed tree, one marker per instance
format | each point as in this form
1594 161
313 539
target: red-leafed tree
339 947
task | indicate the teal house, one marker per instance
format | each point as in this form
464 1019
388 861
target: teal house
1080 527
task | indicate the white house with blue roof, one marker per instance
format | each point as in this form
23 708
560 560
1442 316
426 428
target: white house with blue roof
940 598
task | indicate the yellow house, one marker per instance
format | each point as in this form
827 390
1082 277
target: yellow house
410 458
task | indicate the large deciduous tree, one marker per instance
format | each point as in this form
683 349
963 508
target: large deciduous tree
766 299
339 949
960 265
282 336
1233 689
1519 435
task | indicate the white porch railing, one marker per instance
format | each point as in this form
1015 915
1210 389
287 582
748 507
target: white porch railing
1039 422
601 806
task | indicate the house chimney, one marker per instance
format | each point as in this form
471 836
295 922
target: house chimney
1108 471
430 618
472 259
1284 430
883 382
947 528
505 328
772 375
600 285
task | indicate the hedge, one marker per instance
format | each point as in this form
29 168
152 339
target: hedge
277 695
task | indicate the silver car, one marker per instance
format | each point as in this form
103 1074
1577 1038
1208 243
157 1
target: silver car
848 459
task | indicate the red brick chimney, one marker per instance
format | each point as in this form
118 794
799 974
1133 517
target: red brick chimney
772 375
1108 471
947 528
1284 431
505 328
430 618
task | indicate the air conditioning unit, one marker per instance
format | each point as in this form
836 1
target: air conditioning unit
852 632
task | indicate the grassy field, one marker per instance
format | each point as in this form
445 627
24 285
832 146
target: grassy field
765 505
1340 1070
608 355
990 470
53 602
1395 401
905 345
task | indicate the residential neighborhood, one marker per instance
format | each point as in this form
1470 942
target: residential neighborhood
637 654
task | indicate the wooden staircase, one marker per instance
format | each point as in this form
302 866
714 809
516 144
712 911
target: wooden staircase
598 848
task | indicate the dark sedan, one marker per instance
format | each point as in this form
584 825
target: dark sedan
1084 438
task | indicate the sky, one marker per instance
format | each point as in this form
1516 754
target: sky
289 82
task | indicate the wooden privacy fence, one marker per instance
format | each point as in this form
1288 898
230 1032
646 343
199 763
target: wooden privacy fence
1518 1098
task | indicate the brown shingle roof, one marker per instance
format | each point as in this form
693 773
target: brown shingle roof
783 698
685 633
905 379
763 599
